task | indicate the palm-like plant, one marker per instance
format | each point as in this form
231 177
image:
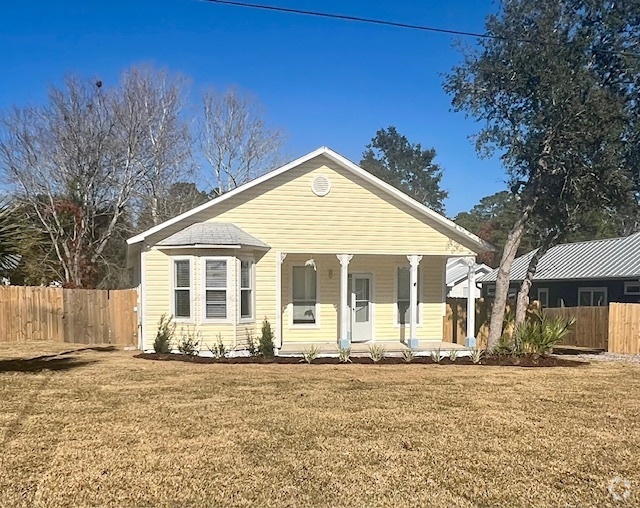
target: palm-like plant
11 236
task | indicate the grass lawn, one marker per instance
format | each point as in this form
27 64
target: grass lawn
100 428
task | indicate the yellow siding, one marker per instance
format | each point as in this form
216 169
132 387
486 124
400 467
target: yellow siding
355 218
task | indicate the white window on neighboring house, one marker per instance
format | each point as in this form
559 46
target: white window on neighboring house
246 289
305 295
491 291
182 288
592 297
403 295
632 288
543 297
215 278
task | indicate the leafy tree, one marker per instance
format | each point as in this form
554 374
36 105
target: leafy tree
407 166
556 88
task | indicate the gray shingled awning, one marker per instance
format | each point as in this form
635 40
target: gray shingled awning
614 258
212 234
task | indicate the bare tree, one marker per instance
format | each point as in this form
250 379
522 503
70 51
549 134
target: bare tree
235 141
154 101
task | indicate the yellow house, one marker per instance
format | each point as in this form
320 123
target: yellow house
328 253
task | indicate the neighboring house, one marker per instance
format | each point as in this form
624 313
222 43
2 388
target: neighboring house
458 277
328 253
580 274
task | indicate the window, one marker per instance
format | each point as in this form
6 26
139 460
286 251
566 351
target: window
632 288
182 288
491 291
304 295
404 295
543 297
246 289
215 289
592 297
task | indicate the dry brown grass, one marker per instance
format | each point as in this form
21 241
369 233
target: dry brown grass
106 429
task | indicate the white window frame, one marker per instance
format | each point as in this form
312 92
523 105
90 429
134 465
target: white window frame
192 288
592 290
632 284
228 289
307 326
252 278
491 291
396 314
546 292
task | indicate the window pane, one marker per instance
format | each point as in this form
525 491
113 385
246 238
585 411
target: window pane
304 283
245 303
183 278
245 274
599 299
362 289
216 304
403 312
216 274
362 312
404 283
304 312
585 299
182 303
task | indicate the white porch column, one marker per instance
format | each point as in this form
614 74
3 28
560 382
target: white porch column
414 262
344 298
280 256
471 304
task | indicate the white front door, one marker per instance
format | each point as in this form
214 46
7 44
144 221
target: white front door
360 295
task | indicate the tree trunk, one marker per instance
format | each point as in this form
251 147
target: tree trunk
502 283
525 287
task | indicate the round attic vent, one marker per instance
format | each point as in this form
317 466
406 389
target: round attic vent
321 185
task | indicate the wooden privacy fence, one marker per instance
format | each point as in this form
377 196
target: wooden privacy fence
615 328
80 316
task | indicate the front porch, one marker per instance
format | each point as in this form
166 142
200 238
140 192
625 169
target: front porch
345 300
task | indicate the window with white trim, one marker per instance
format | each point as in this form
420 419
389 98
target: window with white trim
305 295
246 289
592 297
182 288
543 297
215 289
403 295
632 288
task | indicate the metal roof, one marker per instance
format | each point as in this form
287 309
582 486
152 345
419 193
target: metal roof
457 270
613 258
212 234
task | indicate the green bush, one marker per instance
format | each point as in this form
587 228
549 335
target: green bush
540 333
252 347
164 336
219 350
189 343
266 339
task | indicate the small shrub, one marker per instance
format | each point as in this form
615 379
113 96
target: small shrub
165 334
189 343
308 355
540 333
408 355
344 354
219 350
505 346
266 339
377 353
252 347
437 355
476 355
453 354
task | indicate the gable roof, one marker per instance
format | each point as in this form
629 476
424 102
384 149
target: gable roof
210 234
613 258
458 270
345 163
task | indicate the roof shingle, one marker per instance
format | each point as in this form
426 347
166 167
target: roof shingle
212 233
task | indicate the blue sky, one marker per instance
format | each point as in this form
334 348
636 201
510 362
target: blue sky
325 82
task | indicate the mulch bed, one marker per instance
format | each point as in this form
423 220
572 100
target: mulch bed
495 360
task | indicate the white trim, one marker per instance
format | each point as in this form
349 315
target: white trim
633 284
592 290
310 326
142 299
207 246
396 321
231 264
252 276
480 244
192 289
545 291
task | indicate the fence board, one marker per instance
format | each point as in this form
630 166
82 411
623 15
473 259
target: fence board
591 328
82 316
624 328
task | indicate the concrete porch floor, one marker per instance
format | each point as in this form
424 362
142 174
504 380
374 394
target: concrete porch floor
362 348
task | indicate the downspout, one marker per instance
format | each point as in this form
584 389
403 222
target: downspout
235 298
142 294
